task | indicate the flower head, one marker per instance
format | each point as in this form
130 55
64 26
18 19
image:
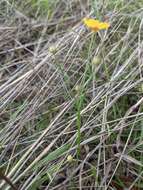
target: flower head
53 49
96 25
69 158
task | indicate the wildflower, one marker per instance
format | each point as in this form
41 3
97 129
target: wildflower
53 49
69 158
96 25
96 60
77 88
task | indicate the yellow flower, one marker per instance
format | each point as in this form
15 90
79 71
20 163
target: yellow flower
96 25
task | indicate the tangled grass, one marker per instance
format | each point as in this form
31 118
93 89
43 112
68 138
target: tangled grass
71 109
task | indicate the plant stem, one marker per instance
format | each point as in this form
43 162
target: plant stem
5 178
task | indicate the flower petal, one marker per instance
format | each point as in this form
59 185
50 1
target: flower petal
90 22
104 25
95 25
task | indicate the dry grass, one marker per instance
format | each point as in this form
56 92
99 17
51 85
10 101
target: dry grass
66 91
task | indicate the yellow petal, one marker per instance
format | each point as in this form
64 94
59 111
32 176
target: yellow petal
90 22
95 25
104 25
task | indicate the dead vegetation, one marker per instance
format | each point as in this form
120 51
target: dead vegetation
66 91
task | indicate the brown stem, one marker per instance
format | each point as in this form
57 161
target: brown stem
5 178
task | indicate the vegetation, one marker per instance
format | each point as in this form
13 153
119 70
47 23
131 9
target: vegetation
71 99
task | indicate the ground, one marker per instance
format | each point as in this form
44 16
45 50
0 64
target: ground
71 99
